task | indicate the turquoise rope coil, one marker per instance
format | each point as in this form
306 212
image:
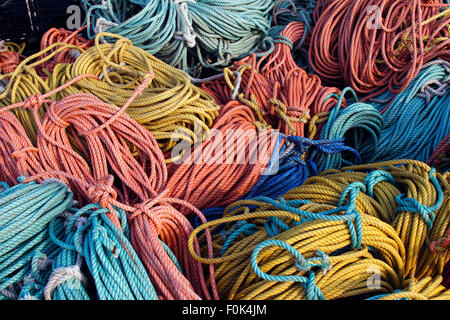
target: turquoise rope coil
287 11
95 243
25 245
359 123
187 34
417 119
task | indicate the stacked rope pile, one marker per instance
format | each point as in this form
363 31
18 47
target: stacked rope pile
351 224
170 107
10 56
187 34
416 124
187 150
287 95
296 103
103 135
374 46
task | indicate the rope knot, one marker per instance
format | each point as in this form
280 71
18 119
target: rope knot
148 208
312 290
33 102
322 260
102 191
23 153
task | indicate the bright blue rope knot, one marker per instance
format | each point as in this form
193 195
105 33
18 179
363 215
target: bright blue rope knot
351 216
375 177
321 260
412 205
273 224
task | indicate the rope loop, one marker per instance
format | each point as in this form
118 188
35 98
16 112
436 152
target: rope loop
375 177
303 264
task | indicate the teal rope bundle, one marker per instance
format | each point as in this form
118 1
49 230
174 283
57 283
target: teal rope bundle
25 245
359 123
186 34
418 119
321 260
92 239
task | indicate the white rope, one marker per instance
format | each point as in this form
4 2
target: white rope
61 275
187 33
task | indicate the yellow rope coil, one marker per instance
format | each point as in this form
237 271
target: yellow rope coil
395 243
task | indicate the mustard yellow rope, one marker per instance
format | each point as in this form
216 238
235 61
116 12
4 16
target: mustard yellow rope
171 107
394 243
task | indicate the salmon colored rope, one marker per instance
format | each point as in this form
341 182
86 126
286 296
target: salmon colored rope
104 134
9 60
377 45
226 167
288 96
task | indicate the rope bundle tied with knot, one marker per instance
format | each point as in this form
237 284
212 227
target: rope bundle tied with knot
344 221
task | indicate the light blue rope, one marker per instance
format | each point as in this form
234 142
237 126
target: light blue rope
117 272
321 260
412 205
359 123
224 30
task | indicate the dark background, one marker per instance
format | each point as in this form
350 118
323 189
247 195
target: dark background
26 20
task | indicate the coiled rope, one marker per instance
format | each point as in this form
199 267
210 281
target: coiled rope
104 134
288 96
417 120
186 34
10 56
92 239
374 46
346 222
170 107
26 210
